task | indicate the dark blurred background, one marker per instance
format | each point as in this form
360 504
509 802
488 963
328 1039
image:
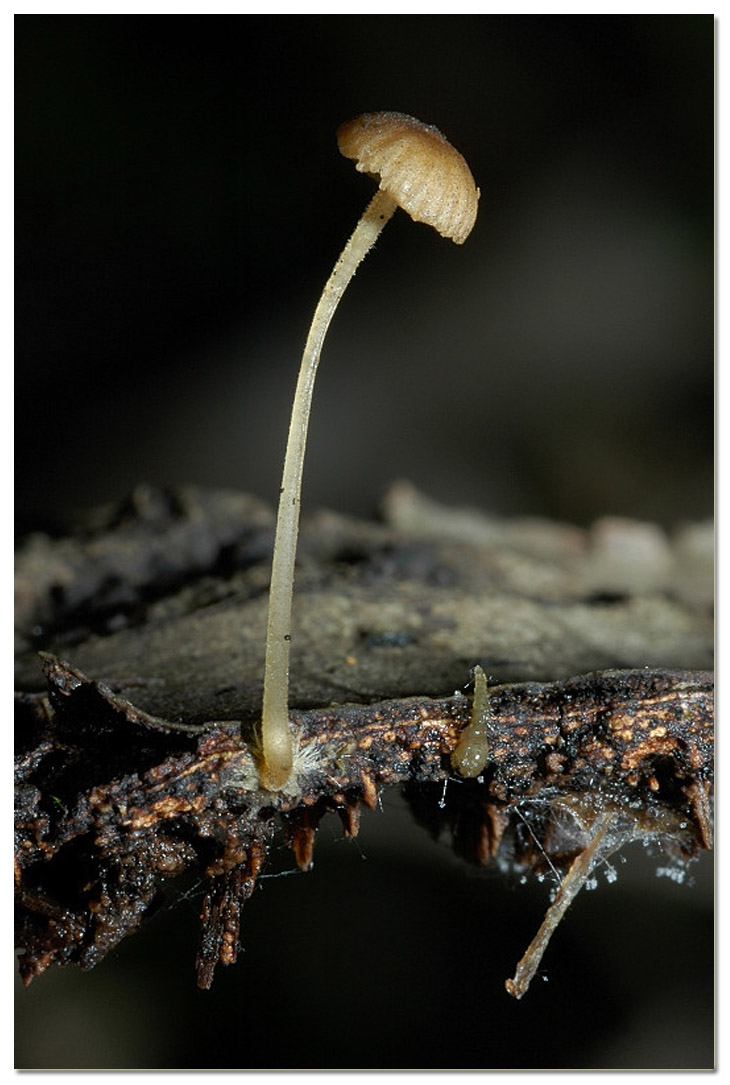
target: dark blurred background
180 201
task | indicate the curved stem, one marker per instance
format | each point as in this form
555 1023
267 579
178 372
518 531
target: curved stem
276 738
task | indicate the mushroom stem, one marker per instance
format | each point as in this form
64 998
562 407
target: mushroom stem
276 738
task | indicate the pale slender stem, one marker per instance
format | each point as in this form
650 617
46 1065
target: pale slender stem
276 738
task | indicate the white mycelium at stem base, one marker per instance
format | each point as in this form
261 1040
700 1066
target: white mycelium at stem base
421 172
276 737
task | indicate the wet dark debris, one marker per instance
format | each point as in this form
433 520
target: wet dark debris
126 781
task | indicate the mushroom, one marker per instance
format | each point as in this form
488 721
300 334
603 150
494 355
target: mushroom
421 172
472 750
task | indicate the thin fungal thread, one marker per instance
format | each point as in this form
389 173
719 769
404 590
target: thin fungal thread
541 849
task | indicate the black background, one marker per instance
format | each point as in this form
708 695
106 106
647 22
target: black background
179 203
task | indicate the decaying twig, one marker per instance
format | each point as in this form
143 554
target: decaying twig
639 742
118 792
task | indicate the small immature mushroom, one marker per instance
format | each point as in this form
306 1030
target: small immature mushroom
472 750
421 172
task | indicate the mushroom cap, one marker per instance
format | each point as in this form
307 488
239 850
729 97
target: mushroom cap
417 166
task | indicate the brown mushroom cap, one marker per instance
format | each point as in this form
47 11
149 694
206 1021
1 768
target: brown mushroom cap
417 166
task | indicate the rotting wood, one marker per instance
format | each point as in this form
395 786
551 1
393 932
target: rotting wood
561 755
115 800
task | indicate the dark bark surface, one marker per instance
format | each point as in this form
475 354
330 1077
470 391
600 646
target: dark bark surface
139 664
